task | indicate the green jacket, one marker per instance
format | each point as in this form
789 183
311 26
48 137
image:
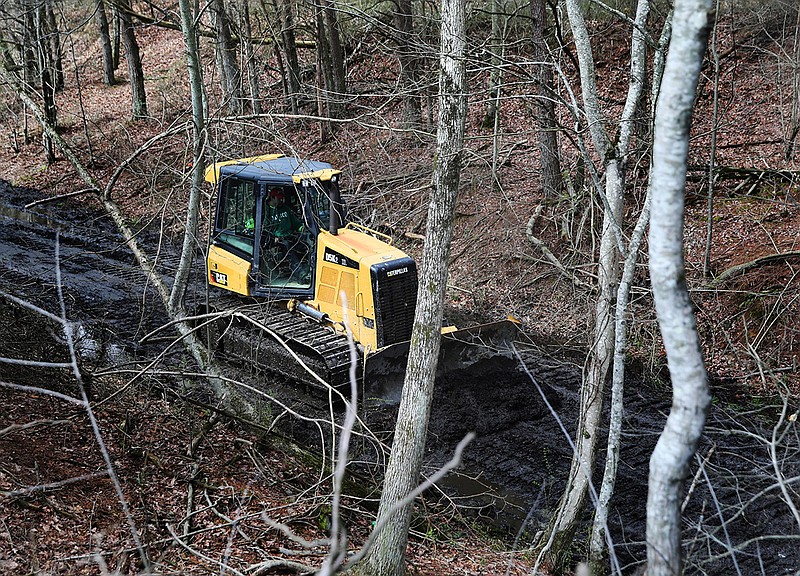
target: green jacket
282 222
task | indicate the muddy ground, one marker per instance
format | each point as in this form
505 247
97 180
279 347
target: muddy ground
520 413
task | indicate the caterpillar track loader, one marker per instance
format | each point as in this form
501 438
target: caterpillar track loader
304 277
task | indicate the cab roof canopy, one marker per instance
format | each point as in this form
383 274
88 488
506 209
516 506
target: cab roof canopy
275 168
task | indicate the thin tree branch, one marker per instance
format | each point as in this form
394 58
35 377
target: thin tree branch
30 490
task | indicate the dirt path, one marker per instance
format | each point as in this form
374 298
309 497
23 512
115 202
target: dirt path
520 455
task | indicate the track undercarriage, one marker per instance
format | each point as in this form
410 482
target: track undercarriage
268 337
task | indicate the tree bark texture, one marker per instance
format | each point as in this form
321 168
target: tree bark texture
408 57
593 388
387 557
712 154
614 157
330 59
29 48
249 56
594 115
325 104
638 71
292 72
47 75
134 59
690 398
545 103
194 67
117 25
105 44
54 44
227 64
590 417
495 47
334 37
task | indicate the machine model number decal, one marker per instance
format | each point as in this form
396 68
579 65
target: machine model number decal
397 272
335 258
219 278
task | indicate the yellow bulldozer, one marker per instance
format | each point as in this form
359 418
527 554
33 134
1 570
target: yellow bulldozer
281 240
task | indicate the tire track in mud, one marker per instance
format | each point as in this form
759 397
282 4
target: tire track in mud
520 453
102 284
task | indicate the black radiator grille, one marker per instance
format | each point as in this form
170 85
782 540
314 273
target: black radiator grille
394 285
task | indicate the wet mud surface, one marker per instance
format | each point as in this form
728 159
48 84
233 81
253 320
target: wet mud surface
97 272
736 519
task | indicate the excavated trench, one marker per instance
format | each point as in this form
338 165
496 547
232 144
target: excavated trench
521 407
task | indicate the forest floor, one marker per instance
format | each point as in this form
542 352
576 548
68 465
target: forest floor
748 324
60 512
157 433
200 498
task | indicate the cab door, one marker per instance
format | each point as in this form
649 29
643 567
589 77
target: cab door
230 256
285 242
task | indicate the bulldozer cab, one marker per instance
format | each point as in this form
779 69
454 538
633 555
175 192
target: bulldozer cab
269 216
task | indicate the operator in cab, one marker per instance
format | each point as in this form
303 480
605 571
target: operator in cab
283 228
281 222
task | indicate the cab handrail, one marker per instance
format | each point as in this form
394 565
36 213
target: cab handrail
361 228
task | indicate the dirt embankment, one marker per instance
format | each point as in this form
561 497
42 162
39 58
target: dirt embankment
735 514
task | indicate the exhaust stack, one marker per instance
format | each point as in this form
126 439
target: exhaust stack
337 208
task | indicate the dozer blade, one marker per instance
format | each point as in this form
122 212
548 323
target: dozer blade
384 369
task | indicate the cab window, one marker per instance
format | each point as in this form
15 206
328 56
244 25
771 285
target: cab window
321 192
323 209
236 214
287 243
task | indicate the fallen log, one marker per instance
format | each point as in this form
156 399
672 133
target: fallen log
742 173
740 269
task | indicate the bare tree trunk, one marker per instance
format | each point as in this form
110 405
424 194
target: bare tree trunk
331 58
117 35
105 43
794 116
614 158
690 397
543 94
409 64
593 387
54 45
334 36
226 47
324 78
249 56
29 48
598 543
134 58
47 80
562 531
195 71
495 46
712 160
292 75
387 556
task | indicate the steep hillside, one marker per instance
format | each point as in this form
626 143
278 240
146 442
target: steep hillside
508 236
496 269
